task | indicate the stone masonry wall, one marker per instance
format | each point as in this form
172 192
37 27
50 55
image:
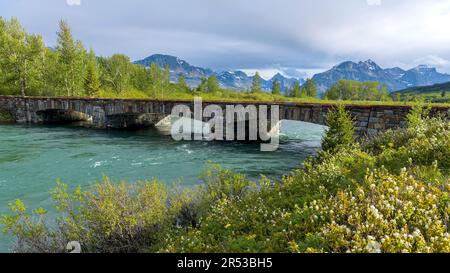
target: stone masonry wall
369 119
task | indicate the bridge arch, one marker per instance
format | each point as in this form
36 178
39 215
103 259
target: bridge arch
132 120
63 116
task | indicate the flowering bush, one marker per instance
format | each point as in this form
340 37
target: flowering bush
386 213
390 195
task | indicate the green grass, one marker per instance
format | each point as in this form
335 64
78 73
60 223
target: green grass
244 96
227 95
431 93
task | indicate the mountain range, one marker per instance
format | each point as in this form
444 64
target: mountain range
395 78
237 80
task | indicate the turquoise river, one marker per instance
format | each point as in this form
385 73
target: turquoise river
33 158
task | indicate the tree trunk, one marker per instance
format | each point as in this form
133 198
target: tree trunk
23 86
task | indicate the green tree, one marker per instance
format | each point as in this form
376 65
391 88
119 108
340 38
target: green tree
2 72
340 130
417 114
384 94
156 79
296 91
2 26
355 90
21 57
287 92
92 78
182 85
343 90
203 86
51 79
444 94
212 84
166 78
311 88
118 72
256 84
209 85
71 55
303 92
139 77
276 88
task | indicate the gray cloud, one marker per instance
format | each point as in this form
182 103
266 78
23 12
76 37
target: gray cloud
283 34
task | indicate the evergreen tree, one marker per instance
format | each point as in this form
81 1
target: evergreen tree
92 79
417 114
256 84
203 86
71 55
288 92
303 93
182 85
212 84
276 88
340 130
311 88
296 90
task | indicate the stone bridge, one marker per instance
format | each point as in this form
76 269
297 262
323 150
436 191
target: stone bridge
128 113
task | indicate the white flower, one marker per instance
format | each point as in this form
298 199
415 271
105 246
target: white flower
417 233
373 247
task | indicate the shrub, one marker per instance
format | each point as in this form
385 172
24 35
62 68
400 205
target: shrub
6 116
340 130
120 217
416 114
108 218
422 145
385 213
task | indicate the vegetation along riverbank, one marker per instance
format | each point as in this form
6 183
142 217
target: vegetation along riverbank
389 194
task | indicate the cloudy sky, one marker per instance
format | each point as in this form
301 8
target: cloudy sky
296 37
